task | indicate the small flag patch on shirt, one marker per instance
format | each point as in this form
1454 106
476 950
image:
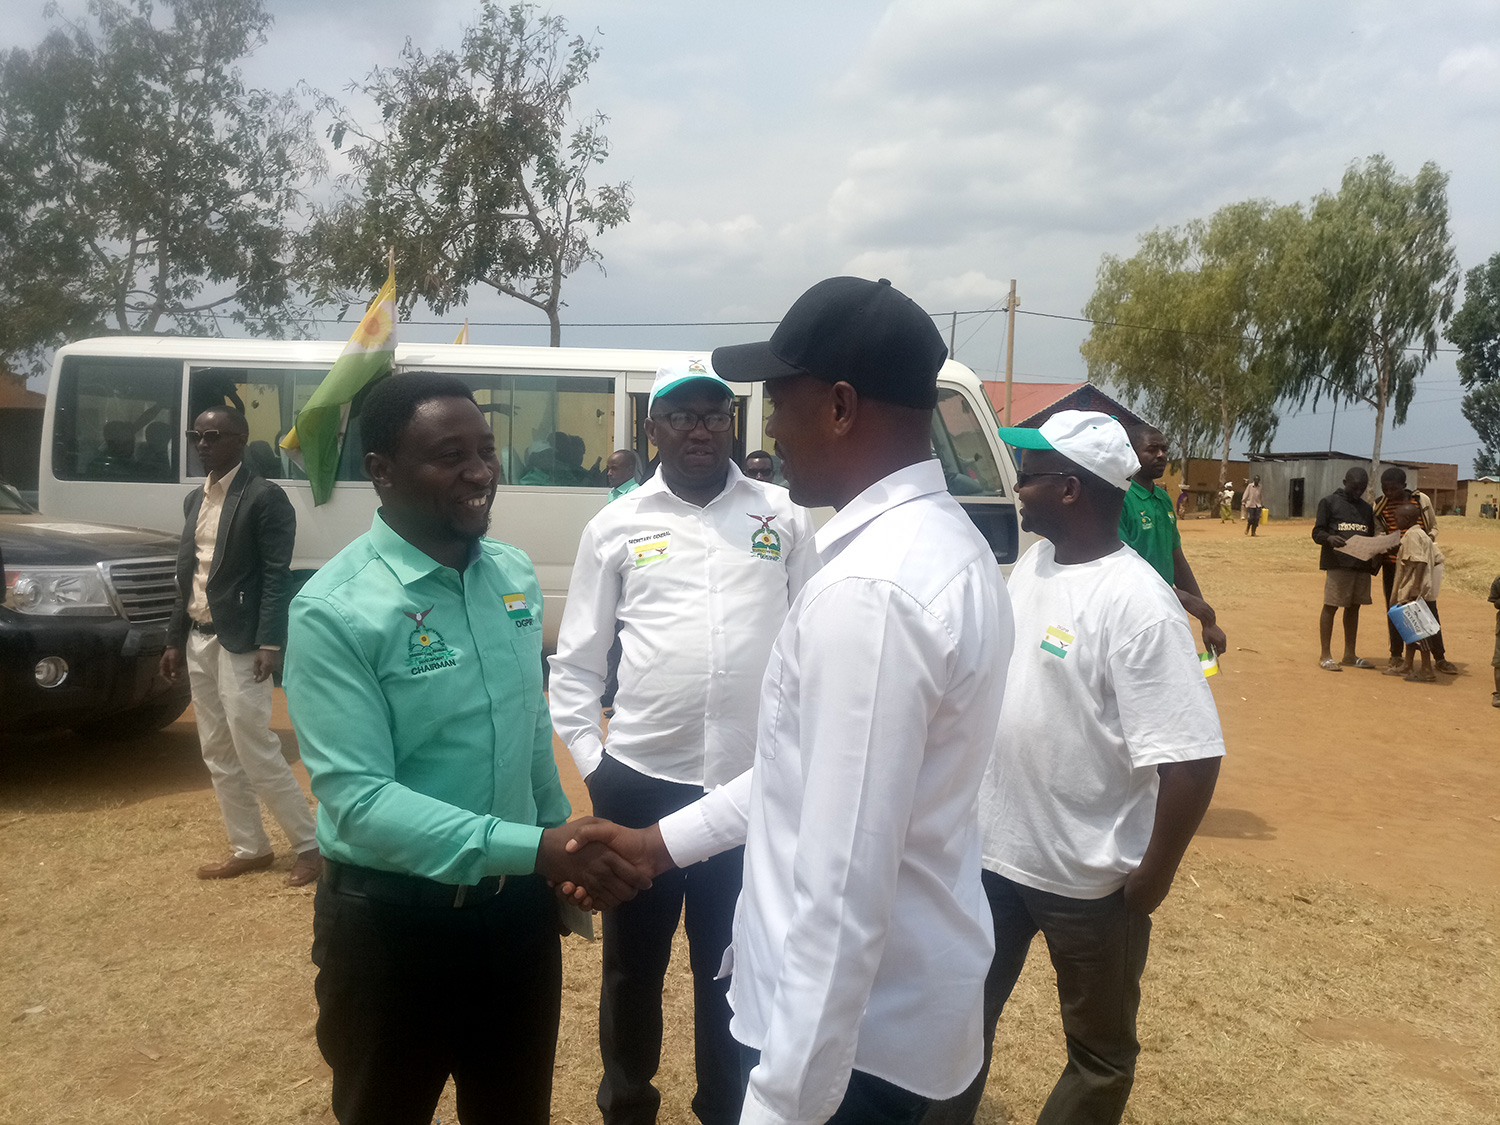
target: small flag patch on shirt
516 607
646 549
1056 641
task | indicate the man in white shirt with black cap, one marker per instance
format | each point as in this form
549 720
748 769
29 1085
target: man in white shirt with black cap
862 935
694 570
1104 762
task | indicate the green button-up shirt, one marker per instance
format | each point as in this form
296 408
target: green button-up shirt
1148 523
416 693
630 485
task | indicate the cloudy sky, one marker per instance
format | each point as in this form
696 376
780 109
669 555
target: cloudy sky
951 145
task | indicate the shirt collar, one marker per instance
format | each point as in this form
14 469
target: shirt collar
1141 490
408 563
220 487
922 479
657 484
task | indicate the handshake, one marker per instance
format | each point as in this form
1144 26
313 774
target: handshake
598 864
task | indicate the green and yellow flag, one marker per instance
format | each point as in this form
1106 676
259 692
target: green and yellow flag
314 442
463 333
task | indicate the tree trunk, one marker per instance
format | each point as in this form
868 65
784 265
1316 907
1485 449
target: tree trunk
1228 431
1382 389
556 322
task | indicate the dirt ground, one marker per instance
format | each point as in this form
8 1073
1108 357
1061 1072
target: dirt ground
1328 953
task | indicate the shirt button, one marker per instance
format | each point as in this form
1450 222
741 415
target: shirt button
713 589
718 629
713 550
720 672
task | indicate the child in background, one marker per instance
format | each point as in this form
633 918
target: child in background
1415 563
1495 601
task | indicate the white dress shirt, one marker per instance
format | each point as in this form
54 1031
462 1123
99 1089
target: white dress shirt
206 540
862 935
699 594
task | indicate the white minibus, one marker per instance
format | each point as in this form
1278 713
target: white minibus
113 449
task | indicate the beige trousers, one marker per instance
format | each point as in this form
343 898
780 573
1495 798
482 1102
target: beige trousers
241 750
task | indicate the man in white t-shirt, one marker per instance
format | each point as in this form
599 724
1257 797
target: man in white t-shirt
1105 760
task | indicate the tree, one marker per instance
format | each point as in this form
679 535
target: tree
1192 327
473 175
1378 279
1475 331
143 187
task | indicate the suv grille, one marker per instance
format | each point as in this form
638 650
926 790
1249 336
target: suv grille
146 588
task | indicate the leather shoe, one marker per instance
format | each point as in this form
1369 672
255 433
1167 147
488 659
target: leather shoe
1447 667
306 870
235 866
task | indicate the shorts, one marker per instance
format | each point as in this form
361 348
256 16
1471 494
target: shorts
1346 587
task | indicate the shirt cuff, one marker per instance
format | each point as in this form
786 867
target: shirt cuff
755 1112
692 835
587 752
270 648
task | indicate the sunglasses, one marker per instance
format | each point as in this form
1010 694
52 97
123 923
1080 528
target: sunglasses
685 421
209 437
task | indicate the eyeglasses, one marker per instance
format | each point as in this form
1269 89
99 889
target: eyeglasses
1023 479
685 421
209 437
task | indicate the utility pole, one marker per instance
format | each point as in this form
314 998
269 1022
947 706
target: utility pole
1010 345
952 332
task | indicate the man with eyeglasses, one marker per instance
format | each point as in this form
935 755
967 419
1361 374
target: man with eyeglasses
235 585
696 568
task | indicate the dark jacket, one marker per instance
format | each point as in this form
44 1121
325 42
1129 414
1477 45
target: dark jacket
1339 515
250 583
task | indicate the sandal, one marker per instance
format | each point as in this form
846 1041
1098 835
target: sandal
1330 665
1358 662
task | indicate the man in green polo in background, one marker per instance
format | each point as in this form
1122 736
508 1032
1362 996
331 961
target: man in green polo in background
1148 524
414 680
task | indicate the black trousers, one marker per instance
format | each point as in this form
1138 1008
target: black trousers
867 1100
1398 646
637 949
1098 950
408 995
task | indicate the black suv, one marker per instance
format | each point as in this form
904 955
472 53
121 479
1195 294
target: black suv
83 625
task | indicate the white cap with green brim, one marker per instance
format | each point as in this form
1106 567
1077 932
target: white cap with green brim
693 369
1090 440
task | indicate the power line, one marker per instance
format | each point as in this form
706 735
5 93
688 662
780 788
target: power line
965 313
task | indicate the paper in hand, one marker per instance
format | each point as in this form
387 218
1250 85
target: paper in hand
1368 546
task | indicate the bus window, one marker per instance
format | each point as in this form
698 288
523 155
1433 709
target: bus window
963 448
549 430
117 419
270 398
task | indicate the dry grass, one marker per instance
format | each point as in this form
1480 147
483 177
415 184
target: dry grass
1269 997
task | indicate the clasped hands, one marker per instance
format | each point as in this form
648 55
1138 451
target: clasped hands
598 864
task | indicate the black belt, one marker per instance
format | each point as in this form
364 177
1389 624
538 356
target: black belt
207 628
406 890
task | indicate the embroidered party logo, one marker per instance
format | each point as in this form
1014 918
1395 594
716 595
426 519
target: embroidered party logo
517 609
426 651
1146 522
1057 641
648 549
765 540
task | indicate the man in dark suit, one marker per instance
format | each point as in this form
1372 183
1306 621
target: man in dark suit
234 587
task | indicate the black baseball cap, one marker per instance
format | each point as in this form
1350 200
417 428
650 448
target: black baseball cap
849 330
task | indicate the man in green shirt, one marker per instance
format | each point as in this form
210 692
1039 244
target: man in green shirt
1148 524
414 680
623 472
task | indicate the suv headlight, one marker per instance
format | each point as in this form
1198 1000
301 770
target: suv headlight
58 591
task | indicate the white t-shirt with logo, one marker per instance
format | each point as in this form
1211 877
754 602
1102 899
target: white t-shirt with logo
1104 685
